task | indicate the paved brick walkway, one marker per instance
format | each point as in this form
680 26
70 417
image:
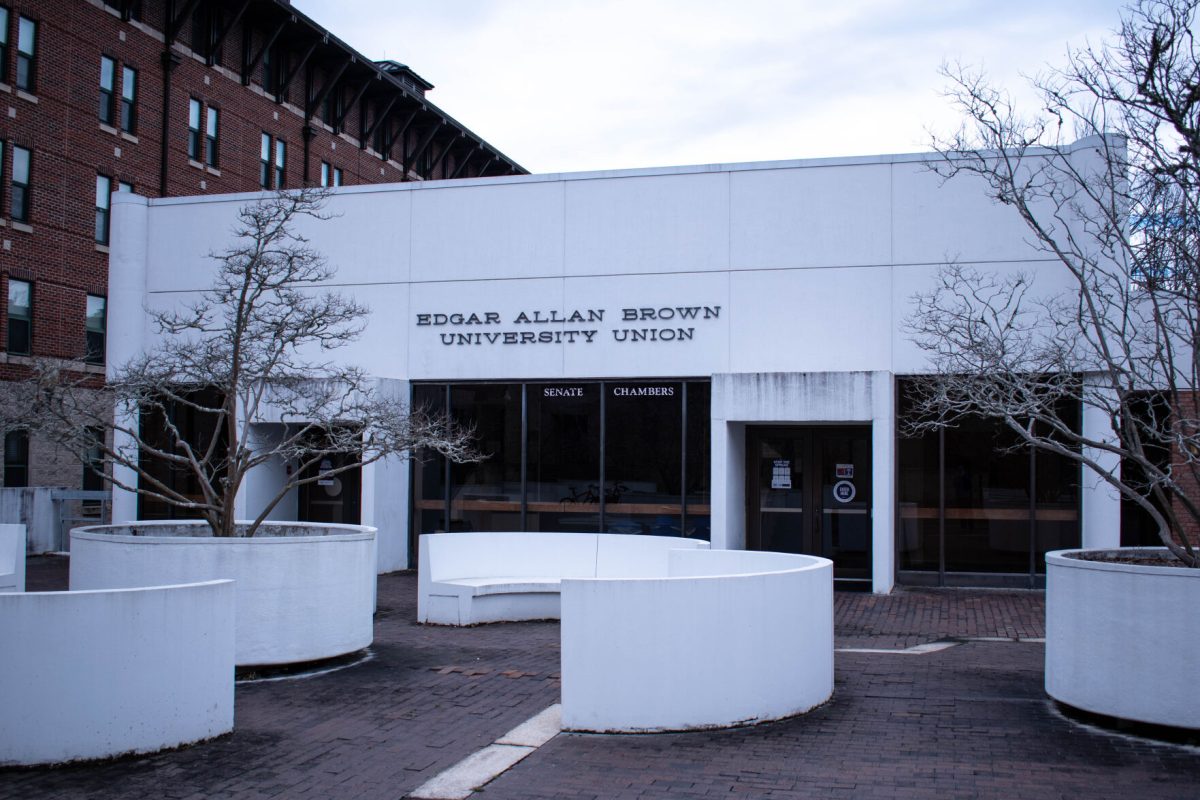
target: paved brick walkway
970 721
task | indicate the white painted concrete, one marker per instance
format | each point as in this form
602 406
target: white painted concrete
471 578
12 558
1101 513
1123 640
722 638
117 671
304 591
808 267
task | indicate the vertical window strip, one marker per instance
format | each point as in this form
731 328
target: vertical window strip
108 76
280 162
193 143
3 44
26 54
264 170
211 126
21 171
128 99
20 316
95 328
103 205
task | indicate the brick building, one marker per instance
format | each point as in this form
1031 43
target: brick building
175 97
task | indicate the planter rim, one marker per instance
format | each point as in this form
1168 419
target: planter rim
1062 558
119 532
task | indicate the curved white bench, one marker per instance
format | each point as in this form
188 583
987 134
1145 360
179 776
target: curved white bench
719 638
104 673
471 578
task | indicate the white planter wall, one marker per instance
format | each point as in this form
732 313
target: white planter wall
125 671
299 597
1123 640
725 638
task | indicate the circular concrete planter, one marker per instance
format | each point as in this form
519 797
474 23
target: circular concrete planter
1123 640
305 591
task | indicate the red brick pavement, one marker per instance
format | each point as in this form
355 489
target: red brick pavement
970 721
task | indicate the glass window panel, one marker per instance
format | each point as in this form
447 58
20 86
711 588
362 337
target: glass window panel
26 53
211 128
486 496
918 474
264 162
3 45
20 184
643 453
103 197
699 459
94 329
429 471
16 458
198 426
987 499
128 99
194 129
324 173
563 471
108 72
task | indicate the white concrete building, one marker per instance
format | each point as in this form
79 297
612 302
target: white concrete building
713 351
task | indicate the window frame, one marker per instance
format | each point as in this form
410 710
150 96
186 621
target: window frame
212 136
27 59
95 338
5 18
264 161
19 440
195 140
13 319
280 165
104 192
127 111
108 91
20 210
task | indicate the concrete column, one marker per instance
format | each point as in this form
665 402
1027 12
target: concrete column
126 326
728 485
1100 501
386 486
883 482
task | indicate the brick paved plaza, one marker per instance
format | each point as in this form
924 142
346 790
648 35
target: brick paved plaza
967 721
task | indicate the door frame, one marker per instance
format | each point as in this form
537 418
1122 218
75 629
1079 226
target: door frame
812 501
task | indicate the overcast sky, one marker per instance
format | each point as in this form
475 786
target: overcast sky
570 85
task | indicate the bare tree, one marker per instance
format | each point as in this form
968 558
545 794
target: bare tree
254 349
1117 210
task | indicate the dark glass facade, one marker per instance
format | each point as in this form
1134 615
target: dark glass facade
973 500
615 456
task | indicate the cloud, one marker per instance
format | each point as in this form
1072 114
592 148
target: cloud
573 85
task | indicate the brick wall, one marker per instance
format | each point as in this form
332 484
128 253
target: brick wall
58 121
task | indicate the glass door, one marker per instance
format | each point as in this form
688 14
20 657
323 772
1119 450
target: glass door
809 491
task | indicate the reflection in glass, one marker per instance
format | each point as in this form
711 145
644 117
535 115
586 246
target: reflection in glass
697 492
563 470
643 454
486 495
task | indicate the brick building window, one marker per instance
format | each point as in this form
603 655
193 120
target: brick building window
16 458
95 326
26 54
108 89
20 316
3 44
103 205
128 99
271 172
211 128
330 176
264 162
21 171
194 135
122 186
93 465
280 162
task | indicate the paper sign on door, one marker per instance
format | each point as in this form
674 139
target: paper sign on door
781 474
